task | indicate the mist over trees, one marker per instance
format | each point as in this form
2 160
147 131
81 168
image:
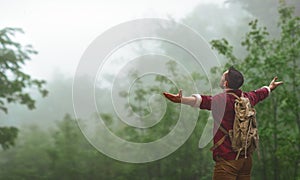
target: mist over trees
13 81
260 38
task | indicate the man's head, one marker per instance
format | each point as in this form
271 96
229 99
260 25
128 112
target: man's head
232 79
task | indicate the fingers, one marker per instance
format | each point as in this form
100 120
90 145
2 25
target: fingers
165 93
279 83
168 95
274 84
274 79
180 93
172 97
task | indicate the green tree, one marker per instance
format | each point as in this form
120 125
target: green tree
68 151
188 162
28 159
278 116
14 83
72 157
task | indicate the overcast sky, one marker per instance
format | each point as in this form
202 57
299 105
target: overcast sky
60 30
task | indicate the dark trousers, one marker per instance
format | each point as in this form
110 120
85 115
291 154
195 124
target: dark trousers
233 169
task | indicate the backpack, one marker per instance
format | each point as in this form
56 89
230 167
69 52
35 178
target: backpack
244 134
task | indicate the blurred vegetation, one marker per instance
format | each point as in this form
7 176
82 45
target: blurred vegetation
14 83
63 152
279 115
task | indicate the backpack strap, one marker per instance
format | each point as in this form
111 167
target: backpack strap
217 144
221 140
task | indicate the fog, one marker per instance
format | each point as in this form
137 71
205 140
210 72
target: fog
62 30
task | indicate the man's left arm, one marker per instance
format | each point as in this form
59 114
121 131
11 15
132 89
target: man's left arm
262 93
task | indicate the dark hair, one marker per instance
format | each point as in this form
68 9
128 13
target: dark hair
234 78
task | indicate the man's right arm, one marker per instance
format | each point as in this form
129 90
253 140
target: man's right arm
178 98
196 100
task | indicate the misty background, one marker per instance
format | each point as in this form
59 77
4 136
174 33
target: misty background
61 31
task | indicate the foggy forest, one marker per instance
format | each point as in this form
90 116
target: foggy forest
43 136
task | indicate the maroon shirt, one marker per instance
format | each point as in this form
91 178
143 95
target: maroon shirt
222 107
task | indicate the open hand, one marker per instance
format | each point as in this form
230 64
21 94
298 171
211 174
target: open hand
176 98
273 85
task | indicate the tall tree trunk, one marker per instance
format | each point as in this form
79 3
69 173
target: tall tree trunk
264 165
275 159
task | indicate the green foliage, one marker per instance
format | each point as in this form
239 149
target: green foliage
279 118
67 155
28 159
14 83
225 49
64 153
13 80
7 137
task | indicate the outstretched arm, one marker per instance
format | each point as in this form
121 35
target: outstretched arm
262 93
178 98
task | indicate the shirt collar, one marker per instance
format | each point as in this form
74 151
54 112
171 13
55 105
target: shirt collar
235 91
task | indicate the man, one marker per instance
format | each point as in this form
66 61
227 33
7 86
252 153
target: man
229 165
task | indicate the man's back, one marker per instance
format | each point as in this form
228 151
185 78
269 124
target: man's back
222 107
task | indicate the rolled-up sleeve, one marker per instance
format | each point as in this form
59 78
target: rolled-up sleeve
206 102
198 100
